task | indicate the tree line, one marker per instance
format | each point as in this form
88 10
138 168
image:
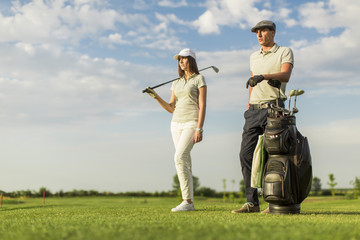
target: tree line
316 188
226 194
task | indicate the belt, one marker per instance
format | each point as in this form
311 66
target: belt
264 105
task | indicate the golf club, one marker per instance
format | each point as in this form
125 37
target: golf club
276 84
276 111
298 92
295 110
213 67
291 93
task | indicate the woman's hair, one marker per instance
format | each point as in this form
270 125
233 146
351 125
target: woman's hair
193 68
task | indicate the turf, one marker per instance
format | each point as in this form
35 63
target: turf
150 218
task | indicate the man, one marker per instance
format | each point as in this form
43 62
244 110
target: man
271 62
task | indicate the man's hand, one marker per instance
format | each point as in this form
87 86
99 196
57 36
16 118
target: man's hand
274 83
254 80
151 92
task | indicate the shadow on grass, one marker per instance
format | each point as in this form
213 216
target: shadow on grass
212 210
331 213
26 207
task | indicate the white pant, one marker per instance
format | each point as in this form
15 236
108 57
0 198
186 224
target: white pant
182 134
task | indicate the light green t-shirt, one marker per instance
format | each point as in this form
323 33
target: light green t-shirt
187 98
267 63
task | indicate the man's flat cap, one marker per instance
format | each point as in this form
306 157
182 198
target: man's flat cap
265 23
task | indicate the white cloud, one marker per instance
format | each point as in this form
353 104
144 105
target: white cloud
207 23
233 13
115 38
28 48
230 81
172 4
69 23
67 88
168 18
324 61
327 15
55 21
140 4
62 22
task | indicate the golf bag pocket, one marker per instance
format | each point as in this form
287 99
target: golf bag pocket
277 187
277 141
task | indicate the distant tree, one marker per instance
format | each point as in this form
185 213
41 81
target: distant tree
224 187
332 184
316 185
232 194
42 190
242 187
61 193
93 193
356 185
176 184
27 193
196 183
205 192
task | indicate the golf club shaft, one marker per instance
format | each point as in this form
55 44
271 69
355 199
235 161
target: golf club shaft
213 67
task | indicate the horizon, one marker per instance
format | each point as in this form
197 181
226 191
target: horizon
73 115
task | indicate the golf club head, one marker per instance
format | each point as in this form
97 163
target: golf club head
299 92
295 110
292 93
215 69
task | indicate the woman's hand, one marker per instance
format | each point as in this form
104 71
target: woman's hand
198 135
151 92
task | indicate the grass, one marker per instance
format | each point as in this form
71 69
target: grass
150 218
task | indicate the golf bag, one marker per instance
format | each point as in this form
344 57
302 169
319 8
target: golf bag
287 174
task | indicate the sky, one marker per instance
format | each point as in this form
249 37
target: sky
72 111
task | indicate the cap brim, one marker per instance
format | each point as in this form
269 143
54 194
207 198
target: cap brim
254 29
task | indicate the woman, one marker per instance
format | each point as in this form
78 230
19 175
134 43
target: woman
188 105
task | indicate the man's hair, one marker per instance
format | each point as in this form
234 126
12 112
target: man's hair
193 68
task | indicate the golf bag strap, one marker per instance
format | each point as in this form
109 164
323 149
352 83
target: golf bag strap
296 159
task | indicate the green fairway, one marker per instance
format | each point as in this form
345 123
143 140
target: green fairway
150 218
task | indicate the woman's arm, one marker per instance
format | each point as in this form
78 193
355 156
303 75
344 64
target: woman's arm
170 106
202 110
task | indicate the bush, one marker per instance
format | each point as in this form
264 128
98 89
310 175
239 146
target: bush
326 193
205 192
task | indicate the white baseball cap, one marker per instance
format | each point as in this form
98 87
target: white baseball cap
186 52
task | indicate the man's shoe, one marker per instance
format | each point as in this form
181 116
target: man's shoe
247 208
267 210
184 206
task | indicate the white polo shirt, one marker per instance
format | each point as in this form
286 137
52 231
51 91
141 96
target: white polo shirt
187 98
267 63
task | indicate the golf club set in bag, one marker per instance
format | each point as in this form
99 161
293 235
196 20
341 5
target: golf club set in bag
287 174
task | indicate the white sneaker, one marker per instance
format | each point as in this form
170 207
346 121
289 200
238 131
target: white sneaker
184 206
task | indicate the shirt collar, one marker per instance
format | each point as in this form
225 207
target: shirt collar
192 75
273 49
